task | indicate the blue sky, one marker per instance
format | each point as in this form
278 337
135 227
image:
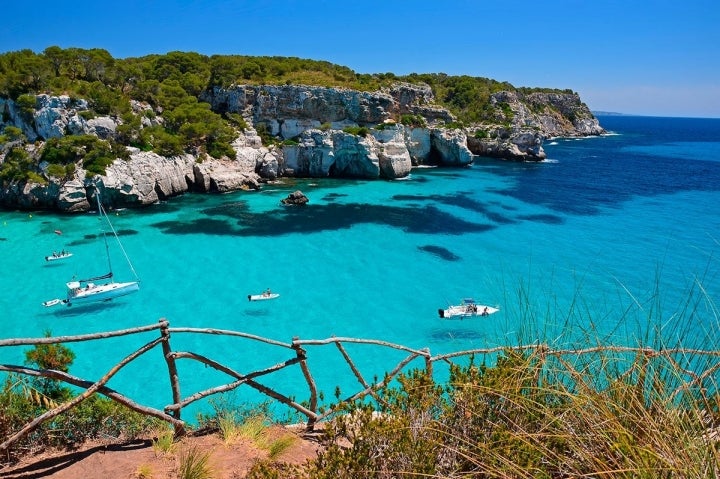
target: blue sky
634 56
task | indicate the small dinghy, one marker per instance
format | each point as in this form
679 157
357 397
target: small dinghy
58 256
53 302
267 294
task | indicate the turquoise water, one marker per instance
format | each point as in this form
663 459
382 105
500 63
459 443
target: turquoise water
573 250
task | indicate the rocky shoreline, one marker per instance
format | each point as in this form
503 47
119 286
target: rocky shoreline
318 132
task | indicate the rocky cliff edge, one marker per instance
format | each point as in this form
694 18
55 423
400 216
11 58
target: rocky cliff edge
317 132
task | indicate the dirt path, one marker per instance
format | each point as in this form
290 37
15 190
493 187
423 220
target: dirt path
138 459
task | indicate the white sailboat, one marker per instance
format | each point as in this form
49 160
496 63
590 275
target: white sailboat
97 289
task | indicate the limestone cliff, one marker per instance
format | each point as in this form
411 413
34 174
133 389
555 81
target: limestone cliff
317 132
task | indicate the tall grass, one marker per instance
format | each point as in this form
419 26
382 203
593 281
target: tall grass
251 423
579 407
164 441
193 463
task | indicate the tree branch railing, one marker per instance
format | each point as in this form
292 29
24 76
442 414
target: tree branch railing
298 355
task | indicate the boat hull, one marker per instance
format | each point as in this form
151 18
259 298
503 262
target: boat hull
99 292
462 311
262 297
58 257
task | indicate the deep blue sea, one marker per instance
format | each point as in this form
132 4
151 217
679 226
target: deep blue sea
613 239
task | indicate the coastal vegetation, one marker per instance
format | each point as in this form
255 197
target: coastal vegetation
525 411
178 78
173 119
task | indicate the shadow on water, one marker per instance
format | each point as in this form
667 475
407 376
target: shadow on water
317 218
540 218
462 200
84 309
92 237
456 334
440 252
257 312
56 264
333 196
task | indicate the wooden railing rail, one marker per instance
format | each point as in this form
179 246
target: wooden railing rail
298 350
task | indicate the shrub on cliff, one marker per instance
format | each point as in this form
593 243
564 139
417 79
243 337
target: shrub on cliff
95 154
357 130
23 399
165 80
17 165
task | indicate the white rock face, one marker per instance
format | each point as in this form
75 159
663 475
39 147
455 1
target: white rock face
103 127
392 152
73 196
355 156
220 176
450 144
418 144
51 122
148 178
312 157
291 128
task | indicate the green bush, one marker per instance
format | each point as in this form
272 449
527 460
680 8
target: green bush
26 104
481 134
87 114
95 154
263 132
12 133
17 165
237 120
413 120
161 142
59 171
33 177
357 130
23 398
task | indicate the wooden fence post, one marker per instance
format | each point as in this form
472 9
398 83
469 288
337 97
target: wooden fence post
428 361
172 371
301 354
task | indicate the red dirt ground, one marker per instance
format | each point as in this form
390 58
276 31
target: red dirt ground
139 460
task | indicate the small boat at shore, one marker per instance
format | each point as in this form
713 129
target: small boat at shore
58 256
466 309
263 296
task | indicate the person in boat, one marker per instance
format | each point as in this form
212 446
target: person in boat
485 311
267 292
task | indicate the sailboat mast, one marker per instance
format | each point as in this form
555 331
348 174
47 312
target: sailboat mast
100 215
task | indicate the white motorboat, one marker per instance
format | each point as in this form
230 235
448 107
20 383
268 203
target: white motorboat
263 296
89 290
58 256
466 309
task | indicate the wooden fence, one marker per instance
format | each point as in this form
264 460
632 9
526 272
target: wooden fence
690 376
